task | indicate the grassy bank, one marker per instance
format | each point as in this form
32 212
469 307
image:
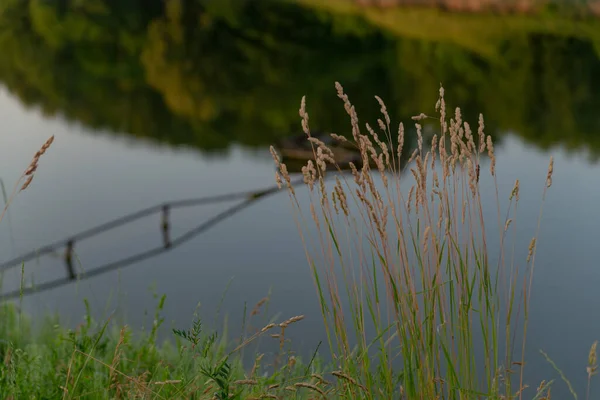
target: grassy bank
105 361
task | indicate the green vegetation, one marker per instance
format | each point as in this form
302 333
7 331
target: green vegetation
207 74
103 361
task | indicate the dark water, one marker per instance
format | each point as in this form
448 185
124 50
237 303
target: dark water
150 105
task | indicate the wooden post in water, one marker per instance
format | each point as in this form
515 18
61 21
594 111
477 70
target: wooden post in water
165 226
69 259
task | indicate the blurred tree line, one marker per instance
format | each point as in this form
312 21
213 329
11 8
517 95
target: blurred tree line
212 73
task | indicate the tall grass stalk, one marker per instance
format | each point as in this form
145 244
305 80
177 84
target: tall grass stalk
421 296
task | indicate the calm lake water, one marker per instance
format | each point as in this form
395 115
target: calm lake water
150 105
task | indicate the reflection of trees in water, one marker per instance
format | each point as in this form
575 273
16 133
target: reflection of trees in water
207 74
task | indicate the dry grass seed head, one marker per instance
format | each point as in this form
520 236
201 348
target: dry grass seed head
550 172
31 169
33 165
311 387
422 168
442 150
292 320
343 96
334 200
320 379
458 118
490 148
426 239
442 108
383 110
323 191
355 174
436 181
531 249
410 196
257 361
27 183
350 110
515 191
304 115
454 139
419 137
275 156
400 140
481 134
168 382
278 179
246 382
433 150
381 144
341 195
322 160
413 156
592 367
472 177
419 117
267 327
469 136
339 138
46 145
286 176
309 174
258 305
348 378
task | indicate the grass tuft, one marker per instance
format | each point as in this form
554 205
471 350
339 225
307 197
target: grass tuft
420 294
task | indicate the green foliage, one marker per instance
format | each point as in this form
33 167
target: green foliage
221 375
99 361
194 336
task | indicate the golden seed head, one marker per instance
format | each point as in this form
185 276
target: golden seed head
515 191
419 117
249 382
275 156
550 172
383 110
27 183
481 134
31 169
310 386
267 327
400 140
339 138
531 249
490 148
592 367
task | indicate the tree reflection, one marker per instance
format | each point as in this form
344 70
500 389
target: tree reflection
208 74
